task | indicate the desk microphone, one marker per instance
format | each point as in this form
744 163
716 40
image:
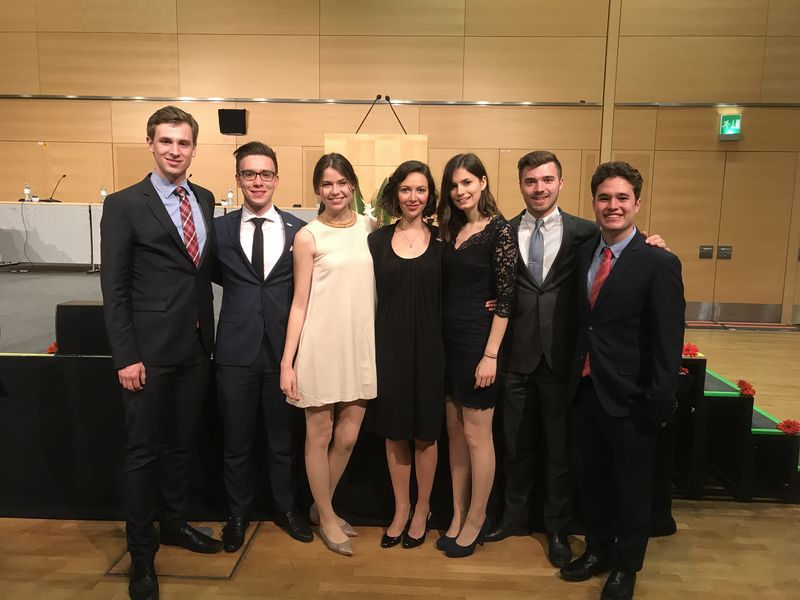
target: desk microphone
371 106
51 199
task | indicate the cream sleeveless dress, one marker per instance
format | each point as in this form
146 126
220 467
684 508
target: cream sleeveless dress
335 360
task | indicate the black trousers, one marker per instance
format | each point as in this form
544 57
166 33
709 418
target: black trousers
614 466
535 405
160 425
240 391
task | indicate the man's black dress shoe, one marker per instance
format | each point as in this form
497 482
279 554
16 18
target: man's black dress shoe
584 567
143 583
619 585
504 530
190 538
233 533
559 552
295 525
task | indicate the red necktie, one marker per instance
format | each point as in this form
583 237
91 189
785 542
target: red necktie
189 233
599 279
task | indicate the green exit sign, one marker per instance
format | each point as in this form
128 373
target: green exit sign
730 127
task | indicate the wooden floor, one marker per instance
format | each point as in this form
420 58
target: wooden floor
723 550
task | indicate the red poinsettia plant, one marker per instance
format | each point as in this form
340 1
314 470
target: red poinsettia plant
52 348
690 350
745 388
789 426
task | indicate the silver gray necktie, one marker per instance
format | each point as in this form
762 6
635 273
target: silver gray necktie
536 253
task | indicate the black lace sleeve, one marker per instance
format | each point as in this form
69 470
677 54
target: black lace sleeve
505 267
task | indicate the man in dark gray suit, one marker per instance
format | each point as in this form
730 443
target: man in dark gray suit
254 260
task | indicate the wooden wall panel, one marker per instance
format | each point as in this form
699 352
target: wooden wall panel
781 70
698 129
499 69
690 69
311 154
21 163
132 162
643 161
508 195
55 120
686 203
129 120
784 17
690 17
18 15
306 124
510 127
106 64
634 128
249 66
130 16
87 166
19 63
239 17
410 17
755 221
290 166
406 68
213 167
791 291
536 17
589 161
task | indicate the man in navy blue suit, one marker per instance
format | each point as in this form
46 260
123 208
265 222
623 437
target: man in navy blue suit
255 269
624 379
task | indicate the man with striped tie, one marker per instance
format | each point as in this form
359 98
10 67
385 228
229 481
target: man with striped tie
157 244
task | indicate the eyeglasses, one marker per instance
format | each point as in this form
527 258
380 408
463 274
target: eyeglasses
251 175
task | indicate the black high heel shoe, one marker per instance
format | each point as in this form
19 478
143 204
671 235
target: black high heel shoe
444 541
410 542
455 550
388 541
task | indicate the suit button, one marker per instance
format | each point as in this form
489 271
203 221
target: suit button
590 327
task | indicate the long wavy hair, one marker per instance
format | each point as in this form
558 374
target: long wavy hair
451 218
389 201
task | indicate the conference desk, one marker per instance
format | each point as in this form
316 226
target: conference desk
65 233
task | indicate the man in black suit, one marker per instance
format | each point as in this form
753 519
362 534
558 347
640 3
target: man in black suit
255 270
624 379
537 352
157 244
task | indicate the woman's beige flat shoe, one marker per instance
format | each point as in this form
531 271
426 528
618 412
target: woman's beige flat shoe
345 548
313 516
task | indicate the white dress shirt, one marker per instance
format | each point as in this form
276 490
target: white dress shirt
273 236
552 231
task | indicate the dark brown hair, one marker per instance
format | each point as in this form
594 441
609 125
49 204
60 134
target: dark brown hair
389 201
617 169
174 116
451 218
537 158
338 163
254 149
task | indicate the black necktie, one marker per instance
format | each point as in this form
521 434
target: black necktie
257 258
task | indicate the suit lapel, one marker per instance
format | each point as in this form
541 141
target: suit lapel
522 268
288 238
621 265
567 235
208 219
156 206
233 231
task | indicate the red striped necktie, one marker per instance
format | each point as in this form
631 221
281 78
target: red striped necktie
189 233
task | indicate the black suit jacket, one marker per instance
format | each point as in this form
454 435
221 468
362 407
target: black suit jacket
154 297
251 307
634 333
544 321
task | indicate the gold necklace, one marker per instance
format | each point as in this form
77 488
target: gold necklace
340 224
410 242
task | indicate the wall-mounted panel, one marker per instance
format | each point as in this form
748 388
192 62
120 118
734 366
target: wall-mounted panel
537 17
634 128
226 66
405 68
21 163
410 17
18 15
686 201
509 197
784 17
87 167
690 17
240 17
756 224
306 124
690 69
55 120
129 121
106 64
510 127
500 69
763 129
781 70
131 16
19 63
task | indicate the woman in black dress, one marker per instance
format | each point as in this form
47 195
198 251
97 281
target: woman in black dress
479 261
408 344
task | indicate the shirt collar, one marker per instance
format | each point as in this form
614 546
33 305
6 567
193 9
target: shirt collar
554 218
617 248
271 215
165 188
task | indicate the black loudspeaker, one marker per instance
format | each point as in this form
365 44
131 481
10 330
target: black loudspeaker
80 329
232 121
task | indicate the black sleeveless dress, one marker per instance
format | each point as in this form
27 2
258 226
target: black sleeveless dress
482 268
408 341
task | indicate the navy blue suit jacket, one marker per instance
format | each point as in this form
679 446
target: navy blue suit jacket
251 307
